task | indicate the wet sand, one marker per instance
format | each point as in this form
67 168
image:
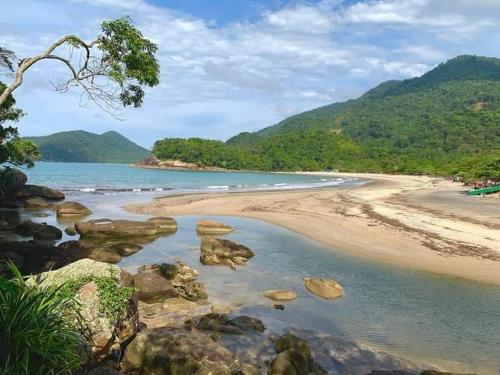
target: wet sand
412 221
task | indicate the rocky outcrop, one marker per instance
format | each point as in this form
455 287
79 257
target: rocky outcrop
28 191
220 251
280 295
109 321
233 326
72 209
324 288
165 224
168 351
211 227
38 231
116 228
294 357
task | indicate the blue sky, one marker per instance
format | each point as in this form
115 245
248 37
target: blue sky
230 66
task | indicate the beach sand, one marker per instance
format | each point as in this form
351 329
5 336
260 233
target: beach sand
419 222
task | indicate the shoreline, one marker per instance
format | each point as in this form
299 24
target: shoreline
388 219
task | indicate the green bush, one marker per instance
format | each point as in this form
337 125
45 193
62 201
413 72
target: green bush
35 335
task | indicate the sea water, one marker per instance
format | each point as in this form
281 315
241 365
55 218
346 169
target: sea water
445 321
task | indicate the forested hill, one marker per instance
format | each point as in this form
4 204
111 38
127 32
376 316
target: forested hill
444 122
85 147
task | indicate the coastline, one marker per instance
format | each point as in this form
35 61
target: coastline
391 219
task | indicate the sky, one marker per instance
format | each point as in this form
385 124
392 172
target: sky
229 66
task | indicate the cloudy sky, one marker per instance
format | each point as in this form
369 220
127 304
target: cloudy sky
239 65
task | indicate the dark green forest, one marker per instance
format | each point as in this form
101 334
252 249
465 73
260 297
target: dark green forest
85 147
446 122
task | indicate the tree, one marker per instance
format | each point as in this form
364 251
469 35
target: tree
111 70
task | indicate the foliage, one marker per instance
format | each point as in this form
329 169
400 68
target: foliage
85 147
35 336
113 297
14 150
445 122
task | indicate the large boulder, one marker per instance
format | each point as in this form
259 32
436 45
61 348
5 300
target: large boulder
11 182
211 227
72 209
280 295
324 288
171 351
165 224
116 228
108 303
28 191
220 251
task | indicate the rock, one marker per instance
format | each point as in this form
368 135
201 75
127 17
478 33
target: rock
153 288
169 351
27 228
279 307
290 341
223 324
183 279
221 251
280 295
72 209
289 362
210 227
40 191
11 182
126 248
70 231
36 203
435 372
324 288
106 332
102 254
116 228
47 232
165 224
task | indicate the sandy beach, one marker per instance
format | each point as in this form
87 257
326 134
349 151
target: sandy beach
413 221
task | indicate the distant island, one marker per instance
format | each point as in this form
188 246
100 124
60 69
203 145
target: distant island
446 122
80 146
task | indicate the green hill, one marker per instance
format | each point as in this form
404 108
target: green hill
444 122
85 147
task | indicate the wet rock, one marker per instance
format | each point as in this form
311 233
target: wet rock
70 231
39 191
126 248
27 228
289 362
37 203
220 251
223 324
168 351
153 288
324 288
211 227
165 224
106 332
102 254
11 181
47 232
116 228
280 295
72 209
290 341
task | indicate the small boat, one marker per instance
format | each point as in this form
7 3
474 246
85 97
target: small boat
486 190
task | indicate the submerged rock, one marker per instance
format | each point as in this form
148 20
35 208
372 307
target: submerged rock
220 251
39 191
324 288
116 228
224 324
107 329
37 203
165 224
70 231
72 209
211 227
168 351
126 248
280 295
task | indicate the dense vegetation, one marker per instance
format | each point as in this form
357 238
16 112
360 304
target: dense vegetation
35 336
85 147
445 122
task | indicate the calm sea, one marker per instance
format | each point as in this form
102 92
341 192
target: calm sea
445 321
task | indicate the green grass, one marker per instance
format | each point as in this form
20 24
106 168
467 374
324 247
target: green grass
36 336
